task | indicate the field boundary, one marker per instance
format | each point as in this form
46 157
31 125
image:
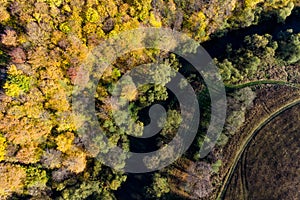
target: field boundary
246 142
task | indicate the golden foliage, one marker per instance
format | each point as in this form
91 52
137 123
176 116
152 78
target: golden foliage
154 21
12 178
75 161
3 145
4 15
65 141
197 23
9 38
129 92
30 153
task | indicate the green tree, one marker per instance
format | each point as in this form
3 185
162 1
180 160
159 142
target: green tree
159 186
17 83
216 166
289 47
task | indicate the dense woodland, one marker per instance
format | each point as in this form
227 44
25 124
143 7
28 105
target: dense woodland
43 43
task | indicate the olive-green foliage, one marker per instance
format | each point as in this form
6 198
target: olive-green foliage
97 182
222 140
228 71
85 190
159 187
284 12
151 94
252 11
36 178
65 27
161 75
56 3
289 47
259 53
171 123
92 15
17 83
216 166
238 102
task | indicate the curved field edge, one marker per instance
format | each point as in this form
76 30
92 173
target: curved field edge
247 141
268 167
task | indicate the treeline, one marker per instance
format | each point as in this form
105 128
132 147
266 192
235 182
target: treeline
261 57
42 46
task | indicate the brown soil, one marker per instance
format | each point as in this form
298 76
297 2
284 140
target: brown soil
270 98
269 168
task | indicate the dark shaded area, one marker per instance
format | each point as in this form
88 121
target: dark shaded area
144 145
216 47
134 189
